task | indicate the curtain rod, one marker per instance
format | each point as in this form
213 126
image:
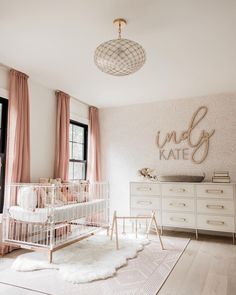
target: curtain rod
75 99
5 66
79 101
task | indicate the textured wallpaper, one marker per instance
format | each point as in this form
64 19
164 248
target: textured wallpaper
128 139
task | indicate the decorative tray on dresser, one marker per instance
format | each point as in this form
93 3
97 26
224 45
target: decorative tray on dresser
198 206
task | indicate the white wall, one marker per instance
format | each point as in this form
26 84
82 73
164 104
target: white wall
128 140
42 130
43 124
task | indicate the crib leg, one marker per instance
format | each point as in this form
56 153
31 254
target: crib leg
108 231
50 256
113 224
123 227
117 243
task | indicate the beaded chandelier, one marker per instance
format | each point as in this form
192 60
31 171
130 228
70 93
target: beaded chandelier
119 57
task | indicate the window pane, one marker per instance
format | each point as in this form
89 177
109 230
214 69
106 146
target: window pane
76 171
70 147
71 131
79 170
78 151
78 134
77 145
71 176
84 169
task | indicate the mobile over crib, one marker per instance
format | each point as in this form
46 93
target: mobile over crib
50 217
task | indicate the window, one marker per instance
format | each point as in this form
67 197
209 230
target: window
78 150
3 141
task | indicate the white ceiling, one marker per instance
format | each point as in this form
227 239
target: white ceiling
190 46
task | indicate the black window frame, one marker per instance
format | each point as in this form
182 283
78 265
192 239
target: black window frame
85 151
3 148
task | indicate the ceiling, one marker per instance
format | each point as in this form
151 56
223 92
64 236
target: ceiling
190 46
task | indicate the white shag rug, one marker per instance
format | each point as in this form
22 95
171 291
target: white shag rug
92 259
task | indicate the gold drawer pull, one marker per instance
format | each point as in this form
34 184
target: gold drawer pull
177 204
215 206
144 202
178 219
180 190
214 191
215 222
144 189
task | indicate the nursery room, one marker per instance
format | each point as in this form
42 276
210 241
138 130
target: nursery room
118 147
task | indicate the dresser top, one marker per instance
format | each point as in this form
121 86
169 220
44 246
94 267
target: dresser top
178 182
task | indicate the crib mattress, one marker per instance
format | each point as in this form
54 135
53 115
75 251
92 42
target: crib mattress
60 214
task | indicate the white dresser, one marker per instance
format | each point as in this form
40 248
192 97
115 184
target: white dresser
203 206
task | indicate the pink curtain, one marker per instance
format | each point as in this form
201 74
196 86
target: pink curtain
94 169
61 169
18 135
18 139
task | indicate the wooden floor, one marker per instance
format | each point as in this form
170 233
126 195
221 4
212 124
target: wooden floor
207 267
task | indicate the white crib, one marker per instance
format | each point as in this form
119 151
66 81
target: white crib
50 217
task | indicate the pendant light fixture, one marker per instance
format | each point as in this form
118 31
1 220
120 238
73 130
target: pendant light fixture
119 57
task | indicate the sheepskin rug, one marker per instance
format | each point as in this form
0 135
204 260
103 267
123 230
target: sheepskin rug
91 259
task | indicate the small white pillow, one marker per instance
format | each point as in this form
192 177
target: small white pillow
27 198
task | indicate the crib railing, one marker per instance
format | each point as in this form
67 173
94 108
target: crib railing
47 216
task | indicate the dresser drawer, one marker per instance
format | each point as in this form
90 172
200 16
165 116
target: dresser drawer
144 189
215 191
215 206
178 219
178 190
151 203
178 204
215 222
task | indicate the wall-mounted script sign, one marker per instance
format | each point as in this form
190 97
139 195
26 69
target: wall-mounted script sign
197 141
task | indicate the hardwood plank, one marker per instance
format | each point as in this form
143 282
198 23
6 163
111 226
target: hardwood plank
207 267
173 285
194 279
215 285
231 287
